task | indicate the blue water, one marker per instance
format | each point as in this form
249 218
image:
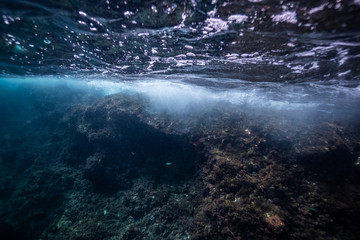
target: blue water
179 119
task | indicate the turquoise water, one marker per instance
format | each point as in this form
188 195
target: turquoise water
179 120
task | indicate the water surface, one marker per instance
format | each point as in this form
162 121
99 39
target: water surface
179 119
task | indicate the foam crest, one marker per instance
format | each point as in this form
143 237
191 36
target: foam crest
176 96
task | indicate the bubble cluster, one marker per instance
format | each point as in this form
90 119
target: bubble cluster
248 40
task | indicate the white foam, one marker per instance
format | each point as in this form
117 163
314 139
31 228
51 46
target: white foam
287 16
174 95
237 18
215 25
318 9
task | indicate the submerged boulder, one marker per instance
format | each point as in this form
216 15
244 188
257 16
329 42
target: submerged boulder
126 143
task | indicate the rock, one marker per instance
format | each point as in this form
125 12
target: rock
275 223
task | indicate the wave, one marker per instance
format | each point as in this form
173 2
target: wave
254 41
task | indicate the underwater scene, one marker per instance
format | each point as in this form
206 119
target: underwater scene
169 119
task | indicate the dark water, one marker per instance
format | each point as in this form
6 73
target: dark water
247 40
179 119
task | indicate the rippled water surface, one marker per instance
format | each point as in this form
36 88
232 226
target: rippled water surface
249 40
169 119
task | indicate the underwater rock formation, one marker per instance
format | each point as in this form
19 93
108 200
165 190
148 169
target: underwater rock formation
125 145
116 168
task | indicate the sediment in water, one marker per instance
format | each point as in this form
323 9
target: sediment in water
111 168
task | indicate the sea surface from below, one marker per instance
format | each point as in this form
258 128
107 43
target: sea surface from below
178 119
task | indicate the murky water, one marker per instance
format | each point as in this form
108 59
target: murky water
179 119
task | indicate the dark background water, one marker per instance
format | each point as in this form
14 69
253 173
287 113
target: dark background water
179 119
248 40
